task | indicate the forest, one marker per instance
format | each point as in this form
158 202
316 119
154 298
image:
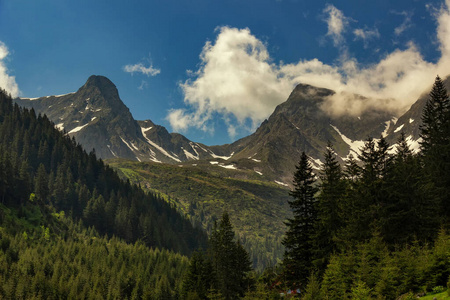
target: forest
376 227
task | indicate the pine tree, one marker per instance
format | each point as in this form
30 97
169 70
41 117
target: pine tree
198 278
41 183
332 192
298 241
435 144
230 261
410 210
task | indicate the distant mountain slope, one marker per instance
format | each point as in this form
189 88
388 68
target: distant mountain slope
204 190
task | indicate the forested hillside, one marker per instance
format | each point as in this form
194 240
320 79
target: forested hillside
377 227
38 160
203 192
61 214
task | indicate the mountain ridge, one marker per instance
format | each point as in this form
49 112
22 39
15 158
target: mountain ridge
96 116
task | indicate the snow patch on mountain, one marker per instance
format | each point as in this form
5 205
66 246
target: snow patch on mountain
159 148
76 129
219 156
317 162
60 126
414 145
388 125
125 142
134 146
189 155
231 167
354 145
399 128
193 148
280 183
109 147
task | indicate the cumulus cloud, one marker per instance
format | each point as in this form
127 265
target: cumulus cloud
238 80
7 82
140 68
337 23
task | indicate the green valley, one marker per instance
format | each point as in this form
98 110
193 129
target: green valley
203 191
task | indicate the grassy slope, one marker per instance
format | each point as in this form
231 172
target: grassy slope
443 295
257 208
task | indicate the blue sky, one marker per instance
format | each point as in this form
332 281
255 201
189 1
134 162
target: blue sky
213 70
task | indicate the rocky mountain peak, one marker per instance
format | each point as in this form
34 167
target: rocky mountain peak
100 82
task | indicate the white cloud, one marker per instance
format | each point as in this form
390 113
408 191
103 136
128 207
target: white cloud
405 24
140 68
238 80
336 23
7 82
366 34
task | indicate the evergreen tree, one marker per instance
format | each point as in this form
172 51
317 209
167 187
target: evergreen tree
199 277
410 210
41 183
435 144
230 261
332 191
298 241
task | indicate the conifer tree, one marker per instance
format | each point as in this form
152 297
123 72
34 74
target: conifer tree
435 144
298 241
332 191
230 260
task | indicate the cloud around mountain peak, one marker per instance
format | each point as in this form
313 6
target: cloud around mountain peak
238 79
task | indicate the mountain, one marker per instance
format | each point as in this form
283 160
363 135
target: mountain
299 124
410 121
98 119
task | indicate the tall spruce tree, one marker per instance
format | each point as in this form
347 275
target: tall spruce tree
435 144
298 242
230 261
332 192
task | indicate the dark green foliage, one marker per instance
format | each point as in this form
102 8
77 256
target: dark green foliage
435 145
298 256
410 210
86 267
377 223
329 216
371 270
199 277
37 158
257 208
224 273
